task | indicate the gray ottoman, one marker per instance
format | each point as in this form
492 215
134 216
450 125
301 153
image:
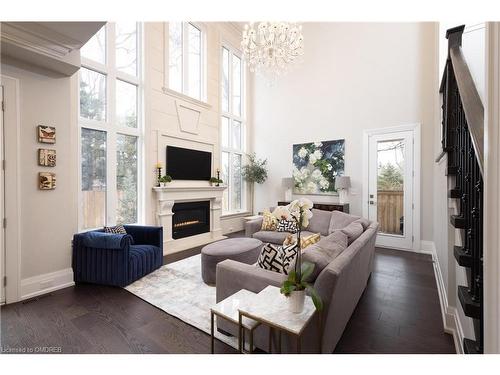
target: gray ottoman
245 250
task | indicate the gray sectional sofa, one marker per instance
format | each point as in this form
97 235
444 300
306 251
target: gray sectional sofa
340 276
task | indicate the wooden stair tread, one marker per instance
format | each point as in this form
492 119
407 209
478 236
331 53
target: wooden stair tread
463 259
471 308
471 347
457 221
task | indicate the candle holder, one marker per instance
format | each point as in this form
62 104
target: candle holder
218 178
158 172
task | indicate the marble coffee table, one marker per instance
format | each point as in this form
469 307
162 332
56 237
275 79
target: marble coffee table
270 307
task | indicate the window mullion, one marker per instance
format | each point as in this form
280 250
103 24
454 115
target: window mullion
185 58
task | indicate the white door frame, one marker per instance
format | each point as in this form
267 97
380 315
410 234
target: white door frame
415 128
12 175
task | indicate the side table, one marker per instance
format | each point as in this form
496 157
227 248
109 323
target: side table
228 309
270 307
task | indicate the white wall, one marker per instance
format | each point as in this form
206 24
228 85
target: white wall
162 124
354 76
48 218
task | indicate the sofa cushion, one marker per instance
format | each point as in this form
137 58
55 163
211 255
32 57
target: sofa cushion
289 226
352 231
269 221
324 252
277 258
305 240
319 222
341 220
276 237
364 222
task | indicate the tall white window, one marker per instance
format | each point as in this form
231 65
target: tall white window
186 59
232 130
111 127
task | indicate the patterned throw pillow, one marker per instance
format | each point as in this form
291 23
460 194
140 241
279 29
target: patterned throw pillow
305 241
287 226
277 258
269 221
118 229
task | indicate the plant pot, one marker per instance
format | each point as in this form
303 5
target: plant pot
296 301
163 184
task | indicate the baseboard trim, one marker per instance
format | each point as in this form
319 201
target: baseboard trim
46 283
451 322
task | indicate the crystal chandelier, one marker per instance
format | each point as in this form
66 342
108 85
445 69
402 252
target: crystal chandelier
272 47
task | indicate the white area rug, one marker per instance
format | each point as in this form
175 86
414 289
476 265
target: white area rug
178 289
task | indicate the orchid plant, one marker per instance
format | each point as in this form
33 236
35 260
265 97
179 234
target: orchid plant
300 212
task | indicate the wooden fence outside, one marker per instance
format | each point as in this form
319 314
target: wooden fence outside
94 208
390 210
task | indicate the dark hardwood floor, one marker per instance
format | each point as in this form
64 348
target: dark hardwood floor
398 313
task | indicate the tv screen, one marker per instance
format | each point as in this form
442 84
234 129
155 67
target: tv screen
186 164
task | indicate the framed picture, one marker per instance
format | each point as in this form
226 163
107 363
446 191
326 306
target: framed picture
316 165
46 157
46 180
46 134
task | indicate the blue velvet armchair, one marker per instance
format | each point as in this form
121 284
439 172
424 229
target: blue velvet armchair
117 259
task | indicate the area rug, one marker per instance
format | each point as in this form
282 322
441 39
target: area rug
178 289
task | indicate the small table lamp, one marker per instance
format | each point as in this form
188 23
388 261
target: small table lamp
342 185
287 183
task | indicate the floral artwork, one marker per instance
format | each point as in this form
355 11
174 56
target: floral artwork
315 166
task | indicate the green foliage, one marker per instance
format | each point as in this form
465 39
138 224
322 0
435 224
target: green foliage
165 178
390 177
297 282
255 170
215 180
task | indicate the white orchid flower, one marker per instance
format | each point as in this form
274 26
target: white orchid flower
282 213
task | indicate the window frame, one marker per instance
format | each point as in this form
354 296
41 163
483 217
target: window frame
185 63
110 126
232 117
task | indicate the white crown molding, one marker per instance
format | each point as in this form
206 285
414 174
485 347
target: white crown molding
186 98
38 38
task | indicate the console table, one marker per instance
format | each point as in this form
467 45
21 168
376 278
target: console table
344 207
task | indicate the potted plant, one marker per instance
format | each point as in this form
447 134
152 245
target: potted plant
214 181
296 285
164 180
255 171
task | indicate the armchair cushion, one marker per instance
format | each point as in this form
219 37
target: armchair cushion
102 240
143 259
146 235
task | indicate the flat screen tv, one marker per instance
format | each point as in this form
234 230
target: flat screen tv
186 164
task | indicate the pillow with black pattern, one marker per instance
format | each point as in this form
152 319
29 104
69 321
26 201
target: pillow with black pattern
287 226
117 229
277 258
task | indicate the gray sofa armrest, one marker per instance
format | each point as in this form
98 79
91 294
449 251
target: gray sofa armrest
233 276
253 226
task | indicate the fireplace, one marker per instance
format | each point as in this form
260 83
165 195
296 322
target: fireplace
190 218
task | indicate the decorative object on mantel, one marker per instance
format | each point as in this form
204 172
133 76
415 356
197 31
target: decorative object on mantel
271 48
342 184
316 165
218 177
295 285
214 181
255 171
46 181
287 183
46 157
158 168
164 180
46 134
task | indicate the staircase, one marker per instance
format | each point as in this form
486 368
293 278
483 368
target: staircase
462 140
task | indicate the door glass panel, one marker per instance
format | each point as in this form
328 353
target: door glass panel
390 184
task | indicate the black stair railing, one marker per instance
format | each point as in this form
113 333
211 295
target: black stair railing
462 139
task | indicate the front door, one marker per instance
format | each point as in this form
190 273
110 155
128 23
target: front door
390 187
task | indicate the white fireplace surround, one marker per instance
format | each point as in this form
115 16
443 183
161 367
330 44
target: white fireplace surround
166 197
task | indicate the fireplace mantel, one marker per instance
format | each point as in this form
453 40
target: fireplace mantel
166 197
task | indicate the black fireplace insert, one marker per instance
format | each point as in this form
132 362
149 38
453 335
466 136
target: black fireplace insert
190 218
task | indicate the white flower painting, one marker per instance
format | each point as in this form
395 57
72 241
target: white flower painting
316 165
